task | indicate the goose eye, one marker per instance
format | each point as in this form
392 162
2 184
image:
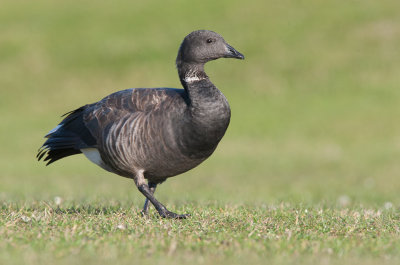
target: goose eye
209 40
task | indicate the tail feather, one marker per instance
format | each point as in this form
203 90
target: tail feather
67 138
54 155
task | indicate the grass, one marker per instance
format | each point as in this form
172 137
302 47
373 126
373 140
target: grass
315 127
214 233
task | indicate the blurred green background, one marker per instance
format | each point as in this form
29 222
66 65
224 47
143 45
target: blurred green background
315 105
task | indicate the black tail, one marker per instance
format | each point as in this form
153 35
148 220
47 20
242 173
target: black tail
68 139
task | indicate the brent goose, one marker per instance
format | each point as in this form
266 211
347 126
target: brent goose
152 133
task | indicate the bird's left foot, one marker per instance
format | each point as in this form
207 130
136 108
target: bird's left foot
171 215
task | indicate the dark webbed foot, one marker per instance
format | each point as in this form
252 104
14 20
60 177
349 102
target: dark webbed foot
171 215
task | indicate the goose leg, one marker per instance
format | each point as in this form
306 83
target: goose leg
146 191
152 187
161 209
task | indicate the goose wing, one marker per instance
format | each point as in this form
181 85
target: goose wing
90 125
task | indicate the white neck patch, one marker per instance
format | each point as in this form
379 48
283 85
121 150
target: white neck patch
190 79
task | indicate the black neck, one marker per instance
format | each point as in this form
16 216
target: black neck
190 71
208 108
200 90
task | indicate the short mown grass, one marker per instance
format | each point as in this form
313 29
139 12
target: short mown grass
112 232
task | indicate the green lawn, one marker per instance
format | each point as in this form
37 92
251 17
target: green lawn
308 171
106 232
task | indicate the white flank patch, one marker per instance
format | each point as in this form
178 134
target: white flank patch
53 130
93 155
190 79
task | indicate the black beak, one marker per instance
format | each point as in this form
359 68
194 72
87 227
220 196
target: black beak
232 53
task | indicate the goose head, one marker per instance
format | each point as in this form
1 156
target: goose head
202 46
